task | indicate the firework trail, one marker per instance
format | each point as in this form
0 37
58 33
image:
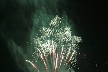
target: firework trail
55 47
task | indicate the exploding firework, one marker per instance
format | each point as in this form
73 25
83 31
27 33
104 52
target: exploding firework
55 47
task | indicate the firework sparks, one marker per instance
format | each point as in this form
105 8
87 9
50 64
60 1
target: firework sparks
56 46
32 64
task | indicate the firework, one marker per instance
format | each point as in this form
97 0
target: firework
55 48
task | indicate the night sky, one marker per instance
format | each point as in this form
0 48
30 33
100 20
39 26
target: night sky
90 20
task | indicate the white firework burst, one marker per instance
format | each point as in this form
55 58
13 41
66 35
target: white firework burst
55 47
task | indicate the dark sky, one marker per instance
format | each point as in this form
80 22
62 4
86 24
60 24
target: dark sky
89 17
